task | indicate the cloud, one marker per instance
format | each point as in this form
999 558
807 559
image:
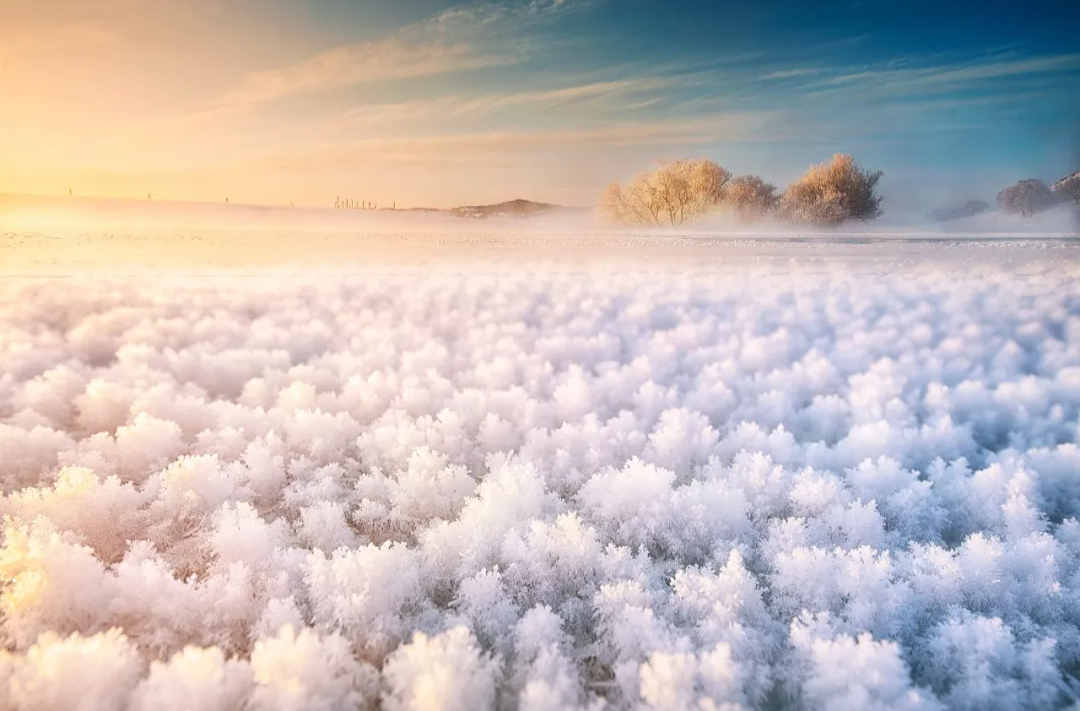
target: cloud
923 95
459 39
793 73
61 39
345 66
603 94
733 126
948 77
80 35
572 94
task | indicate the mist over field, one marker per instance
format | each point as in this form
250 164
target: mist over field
538 468
99 217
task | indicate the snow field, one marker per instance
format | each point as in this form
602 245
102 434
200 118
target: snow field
542 490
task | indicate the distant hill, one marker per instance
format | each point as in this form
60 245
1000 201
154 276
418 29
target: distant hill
515 208
89 207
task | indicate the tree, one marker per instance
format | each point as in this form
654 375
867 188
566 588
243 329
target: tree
675 192
1026 198
1068 188
751 197
832 193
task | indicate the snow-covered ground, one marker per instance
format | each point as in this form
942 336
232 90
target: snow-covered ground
451 241
702 472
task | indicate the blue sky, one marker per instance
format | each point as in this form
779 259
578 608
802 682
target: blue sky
443 103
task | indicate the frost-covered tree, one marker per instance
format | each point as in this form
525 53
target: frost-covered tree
674 193
1026 198
1068 188
832 193
751 197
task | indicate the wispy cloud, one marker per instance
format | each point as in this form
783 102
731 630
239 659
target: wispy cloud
733 126
71 37
459 39
346 66
843 43
793 73
919 105
487 14
571 94
591 94
947 77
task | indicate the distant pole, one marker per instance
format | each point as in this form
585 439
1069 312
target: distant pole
69 192
226 201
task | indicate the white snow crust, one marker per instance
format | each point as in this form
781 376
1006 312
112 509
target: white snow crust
837 487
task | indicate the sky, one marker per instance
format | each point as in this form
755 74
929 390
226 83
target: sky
437 103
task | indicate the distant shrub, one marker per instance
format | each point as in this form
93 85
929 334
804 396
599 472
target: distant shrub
832 193
751 197
968 209
1026 198
1068 189
674 193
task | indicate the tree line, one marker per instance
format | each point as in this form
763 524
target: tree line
1031 196
682 191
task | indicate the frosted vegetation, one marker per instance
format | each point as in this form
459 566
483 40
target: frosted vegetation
828 195
679 192
542 490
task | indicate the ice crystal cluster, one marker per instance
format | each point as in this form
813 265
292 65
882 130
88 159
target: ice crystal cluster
542 489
